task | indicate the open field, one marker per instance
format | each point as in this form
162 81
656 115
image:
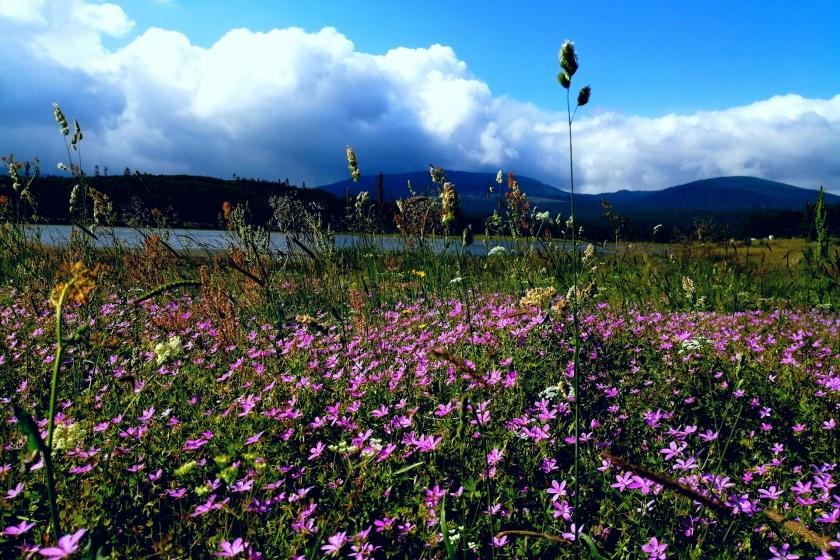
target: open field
412 405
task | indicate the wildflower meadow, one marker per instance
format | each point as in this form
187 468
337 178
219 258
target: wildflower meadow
550 397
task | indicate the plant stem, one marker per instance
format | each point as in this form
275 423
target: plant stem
576 325
48 465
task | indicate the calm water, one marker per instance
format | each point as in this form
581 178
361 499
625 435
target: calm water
200 241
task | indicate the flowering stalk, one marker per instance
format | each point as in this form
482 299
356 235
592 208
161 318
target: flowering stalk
78 288
48 466
569 65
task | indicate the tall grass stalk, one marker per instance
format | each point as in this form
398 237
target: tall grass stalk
78 289
569 65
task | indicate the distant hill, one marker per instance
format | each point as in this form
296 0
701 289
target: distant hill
468 183
721 194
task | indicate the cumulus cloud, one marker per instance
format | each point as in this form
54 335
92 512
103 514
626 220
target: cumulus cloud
285 103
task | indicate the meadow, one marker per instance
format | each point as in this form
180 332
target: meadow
552 398
372 404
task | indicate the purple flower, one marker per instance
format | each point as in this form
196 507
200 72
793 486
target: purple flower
334 544
573 533
384 524
655 549
673 450
147 414
67 546
644 485
709 435
499 542
557 490
231 550
495 456
800 488
12 493
783 553
178 493
742 504
242 485
622 481
16 530
685 465
771 493
316 451
562 509
832 517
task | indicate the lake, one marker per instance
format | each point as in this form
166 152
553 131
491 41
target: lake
201 241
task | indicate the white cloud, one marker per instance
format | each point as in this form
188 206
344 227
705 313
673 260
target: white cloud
23 11
68 32
286 102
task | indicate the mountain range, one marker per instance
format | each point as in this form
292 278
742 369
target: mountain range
480 194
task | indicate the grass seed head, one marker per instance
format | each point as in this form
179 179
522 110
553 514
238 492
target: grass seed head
353 165
568 59
61 119
583 96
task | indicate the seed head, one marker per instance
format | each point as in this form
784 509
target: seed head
688 287
500 177
77 134
61 119
583 96
568 59
353 165
103 208
74 198
564 79
437 173
361 199
15 176
448 202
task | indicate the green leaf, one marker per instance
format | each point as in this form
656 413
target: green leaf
408 468
593 550
444 530
30 429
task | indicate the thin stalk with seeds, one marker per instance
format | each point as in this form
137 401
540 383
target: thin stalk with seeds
569 65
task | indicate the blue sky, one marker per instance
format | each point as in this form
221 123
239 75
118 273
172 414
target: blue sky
647 58
681 90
